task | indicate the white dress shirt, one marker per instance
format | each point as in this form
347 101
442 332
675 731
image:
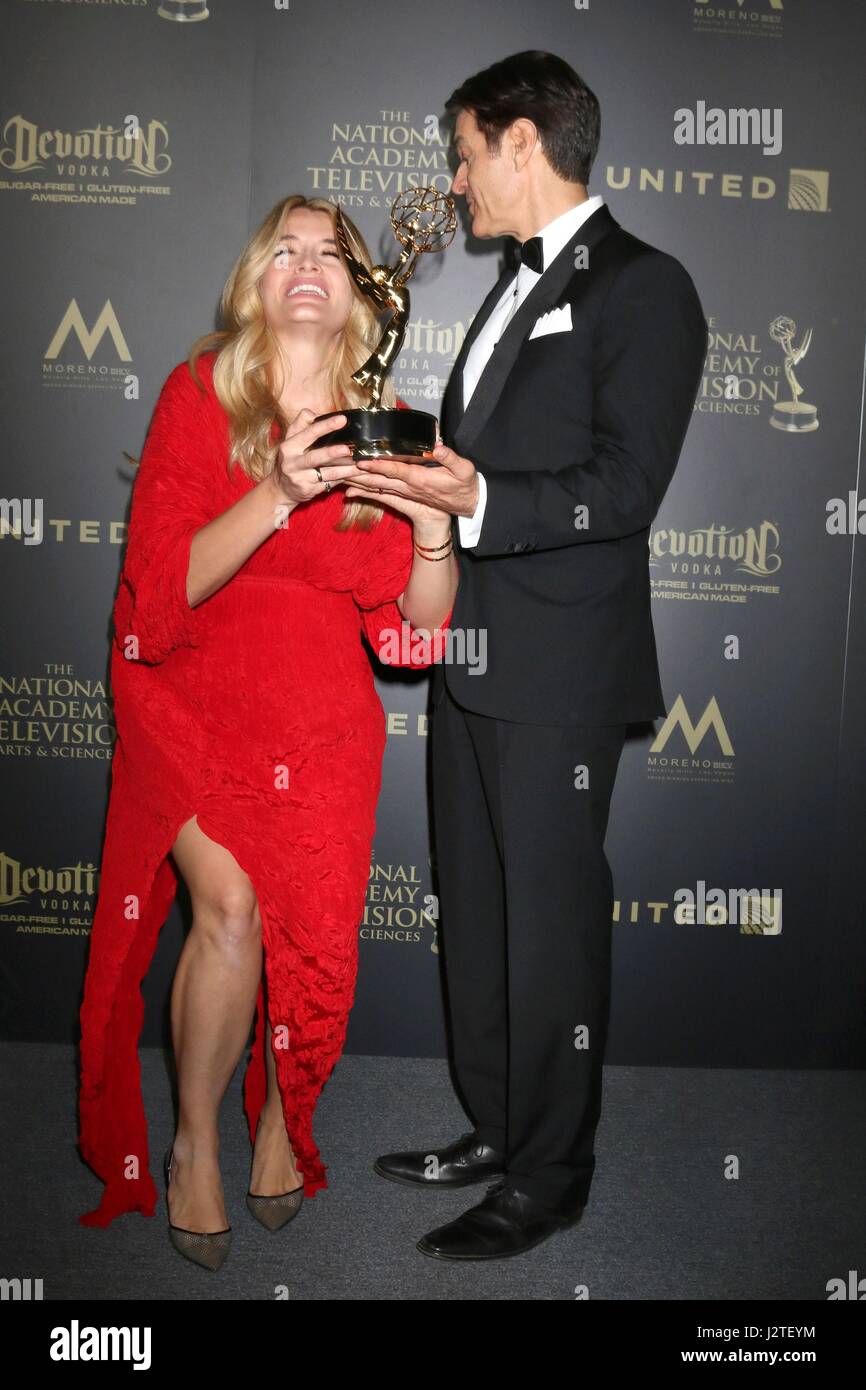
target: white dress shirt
554 237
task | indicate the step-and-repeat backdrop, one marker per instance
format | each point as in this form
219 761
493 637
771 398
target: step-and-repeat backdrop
141 142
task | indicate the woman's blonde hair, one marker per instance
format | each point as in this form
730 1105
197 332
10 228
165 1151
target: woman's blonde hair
248 371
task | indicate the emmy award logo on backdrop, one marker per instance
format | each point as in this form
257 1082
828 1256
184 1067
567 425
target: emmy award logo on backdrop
184 11
794 415
423 220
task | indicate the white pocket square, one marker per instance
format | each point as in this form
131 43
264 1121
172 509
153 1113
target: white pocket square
554 321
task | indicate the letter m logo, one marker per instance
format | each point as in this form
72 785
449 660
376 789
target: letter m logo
89 339
774 4
694 733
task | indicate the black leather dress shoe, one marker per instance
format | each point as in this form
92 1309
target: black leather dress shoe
457 1165
507 1222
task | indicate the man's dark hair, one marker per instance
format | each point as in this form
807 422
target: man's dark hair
549 92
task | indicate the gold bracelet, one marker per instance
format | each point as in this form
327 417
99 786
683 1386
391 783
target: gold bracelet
433 548
435 558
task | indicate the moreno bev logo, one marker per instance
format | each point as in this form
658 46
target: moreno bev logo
88 338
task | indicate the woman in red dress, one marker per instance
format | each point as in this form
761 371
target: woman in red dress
249 733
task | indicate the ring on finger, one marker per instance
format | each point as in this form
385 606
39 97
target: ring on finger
319 475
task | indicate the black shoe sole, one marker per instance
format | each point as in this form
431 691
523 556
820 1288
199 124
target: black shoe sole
435 1182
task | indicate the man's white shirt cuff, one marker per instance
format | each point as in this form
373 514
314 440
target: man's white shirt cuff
470 526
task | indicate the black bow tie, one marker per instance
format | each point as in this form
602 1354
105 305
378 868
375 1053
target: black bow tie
531 253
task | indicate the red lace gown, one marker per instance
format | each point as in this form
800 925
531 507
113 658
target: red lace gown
255 711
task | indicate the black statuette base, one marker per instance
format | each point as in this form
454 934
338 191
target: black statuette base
379 433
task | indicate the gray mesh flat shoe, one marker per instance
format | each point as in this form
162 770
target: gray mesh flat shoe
274 1212
206 1248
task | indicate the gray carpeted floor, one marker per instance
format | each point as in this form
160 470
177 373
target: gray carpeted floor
663 1222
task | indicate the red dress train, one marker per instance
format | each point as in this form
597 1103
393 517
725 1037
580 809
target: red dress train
255 711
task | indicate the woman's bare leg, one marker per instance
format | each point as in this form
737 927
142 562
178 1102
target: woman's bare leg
274 1170
212 1006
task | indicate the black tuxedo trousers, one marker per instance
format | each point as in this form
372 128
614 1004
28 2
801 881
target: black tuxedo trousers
526 896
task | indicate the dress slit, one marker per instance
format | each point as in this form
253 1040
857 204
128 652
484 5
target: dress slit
112 1123
286 1062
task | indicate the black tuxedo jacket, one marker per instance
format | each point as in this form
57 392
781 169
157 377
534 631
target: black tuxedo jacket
593 418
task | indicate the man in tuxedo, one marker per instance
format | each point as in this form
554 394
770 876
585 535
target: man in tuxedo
562 424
